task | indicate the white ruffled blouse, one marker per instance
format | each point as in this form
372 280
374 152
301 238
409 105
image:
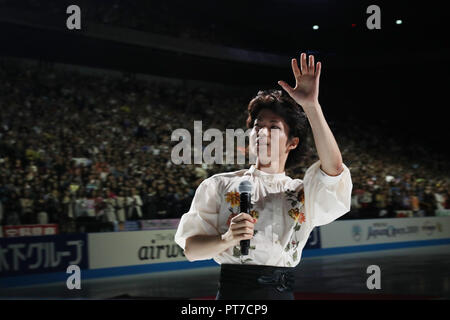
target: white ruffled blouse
286 210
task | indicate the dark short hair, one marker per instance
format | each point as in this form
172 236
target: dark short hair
284 106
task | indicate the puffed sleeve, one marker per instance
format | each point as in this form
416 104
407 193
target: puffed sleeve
326 197
203 216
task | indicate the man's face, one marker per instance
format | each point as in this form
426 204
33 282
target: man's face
269 136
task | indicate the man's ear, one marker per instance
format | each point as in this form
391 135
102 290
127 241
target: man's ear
293 143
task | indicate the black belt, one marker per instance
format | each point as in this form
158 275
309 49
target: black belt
281 278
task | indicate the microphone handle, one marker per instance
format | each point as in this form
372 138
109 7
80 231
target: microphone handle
245 204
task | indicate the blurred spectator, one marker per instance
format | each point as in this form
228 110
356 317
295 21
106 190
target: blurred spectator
428 203
134 202
27 205
90 204
447 199
99 204
120 206
440 198
149 204
110 201
12 210
80 204
415 204
380 201
68 204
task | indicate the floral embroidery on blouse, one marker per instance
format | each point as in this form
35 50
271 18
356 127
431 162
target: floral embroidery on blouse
301 196
233 198
255 215
237 254
298 216
295 198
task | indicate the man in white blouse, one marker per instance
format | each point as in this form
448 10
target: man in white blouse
284 210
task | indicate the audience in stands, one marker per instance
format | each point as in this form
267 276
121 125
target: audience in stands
77 148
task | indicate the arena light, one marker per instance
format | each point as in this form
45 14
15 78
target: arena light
315 27
399 21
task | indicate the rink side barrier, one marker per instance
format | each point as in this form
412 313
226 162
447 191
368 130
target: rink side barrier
26 261
385 233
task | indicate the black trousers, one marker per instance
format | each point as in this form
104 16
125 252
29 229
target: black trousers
255 282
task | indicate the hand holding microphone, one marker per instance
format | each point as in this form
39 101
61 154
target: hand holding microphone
241 229
242 226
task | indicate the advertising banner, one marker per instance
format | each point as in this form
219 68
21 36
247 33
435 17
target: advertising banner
24 255
373 231
443 213
129 226
158 224
30 230
116 249
404 213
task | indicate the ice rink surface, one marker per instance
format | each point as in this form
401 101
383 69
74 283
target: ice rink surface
421 272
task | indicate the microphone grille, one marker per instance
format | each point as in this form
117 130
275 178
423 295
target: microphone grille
245 186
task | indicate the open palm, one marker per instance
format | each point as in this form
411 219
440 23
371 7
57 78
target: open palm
306 91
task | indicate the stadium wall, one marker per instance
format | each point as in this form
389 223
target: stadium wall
26 261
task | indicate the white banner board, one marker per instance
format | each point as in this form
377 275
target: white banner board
117 249
373 231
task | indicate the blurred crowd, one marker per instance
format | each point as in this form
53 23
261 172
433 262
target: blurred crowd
78 148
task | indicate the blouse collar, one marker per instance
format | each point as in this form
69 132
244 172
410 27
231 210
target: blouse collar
258 173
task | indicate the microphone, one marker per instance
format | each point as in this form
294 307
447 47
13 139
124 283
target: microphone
245 194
